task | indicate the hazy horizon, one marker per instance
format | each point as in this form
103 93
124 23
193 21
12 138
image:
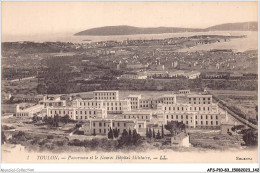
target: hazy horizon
43 18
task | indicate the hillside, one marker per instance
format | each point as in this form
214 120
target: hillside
246 26
130 30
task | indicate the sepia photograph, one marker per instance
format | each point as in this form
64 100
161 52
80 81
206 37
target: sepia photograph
129 82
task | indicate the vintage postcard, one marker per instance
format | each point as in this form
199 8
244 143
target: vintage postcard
129 82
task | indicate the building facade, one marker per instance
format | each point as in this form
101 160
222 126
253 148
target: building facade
102 126
77 113
106 95
105 110
52 101
28 112
134 101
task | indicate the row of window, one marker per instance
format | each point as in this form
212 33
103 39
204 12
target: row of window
131 98
184 92
136 116
196 117
112 104
116 108
52 104
144 101
200 98
104 130
211 123
60 112
104 124
168 103
183 108
168 98
201 123
80 112
104 104
22 114
105 94
150 102
84 103
84 117
198 102
105 98
144 106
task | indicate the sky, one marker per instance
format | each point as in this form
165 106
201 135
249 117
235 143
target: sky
28 18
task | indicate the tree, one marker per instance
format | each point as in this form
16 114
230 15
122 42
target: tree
115 132
158 136
136 138
153 133
150 134
123 140
147 132
250 137
75 142
175 127
45 119
66 118
237 129
129 136
20 136
41 89
110 134
35 118
56 120
162 132
181 126
125 133
172 127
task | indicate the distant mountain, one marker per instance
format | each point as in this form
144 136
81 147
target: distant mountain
245 26
130 30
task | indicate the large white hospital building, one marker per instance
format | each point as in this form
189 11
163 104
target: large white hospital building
106 110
